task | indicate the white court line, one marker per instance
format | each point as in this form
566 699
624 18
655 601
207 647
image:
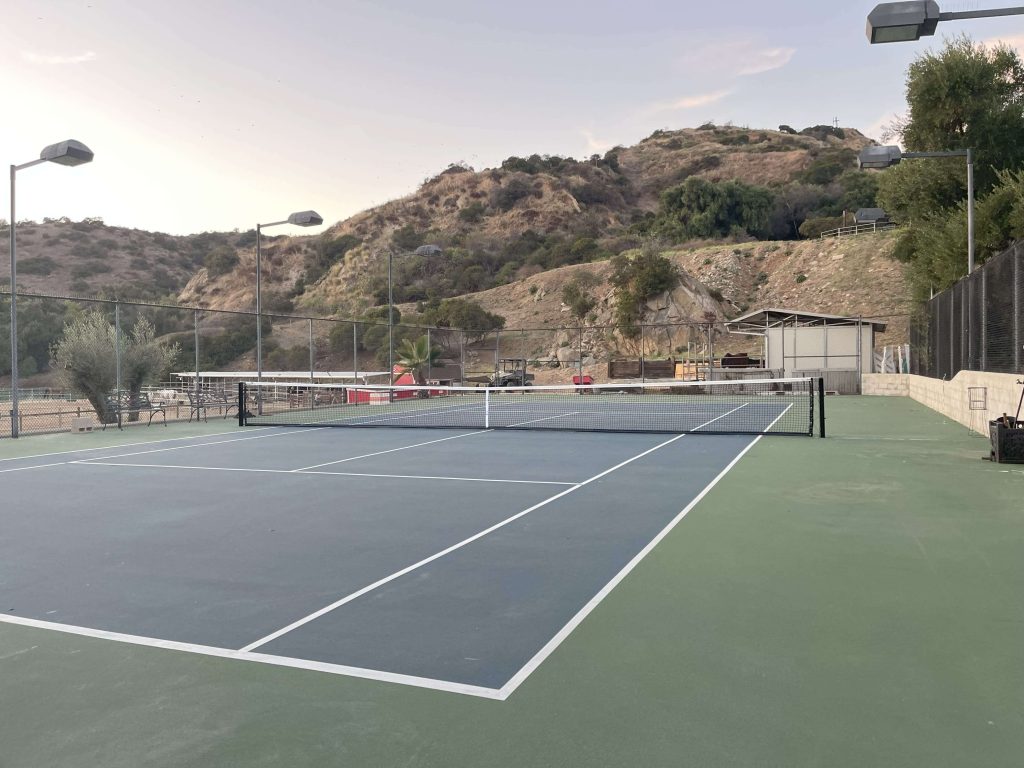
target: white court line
537 421
263 658
36 466
414 415
128 445
520 677
202 445
101 463
391 450
465 542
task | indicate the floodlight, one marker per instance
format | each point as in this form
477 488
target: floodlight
68 152
306 219
879 157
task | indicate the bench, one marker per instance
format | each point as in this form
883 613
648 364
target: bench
121 403
197 406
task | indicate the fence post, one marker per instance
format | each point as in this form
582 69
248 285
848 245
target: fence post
952 331
1018 309
312 353
643 356
984 319
860 353
430 368
195 325
462 358
355 352
711 352
579 352
117 348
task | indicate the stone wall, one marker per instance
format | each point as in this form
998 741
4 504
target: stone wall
953 398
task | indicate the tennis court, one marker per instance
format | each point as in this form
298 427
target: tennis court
313 596
451 561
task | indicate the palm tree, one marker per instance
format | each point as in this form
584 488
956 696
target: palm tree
416 357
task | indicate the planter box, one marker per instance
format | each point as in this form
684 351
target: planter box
1007 443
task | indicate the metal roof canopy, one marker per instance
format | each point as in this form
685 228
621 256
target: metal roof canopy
288 376
758 323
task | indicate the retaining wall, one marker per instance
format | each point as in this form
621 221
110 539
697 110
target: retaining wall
1000 392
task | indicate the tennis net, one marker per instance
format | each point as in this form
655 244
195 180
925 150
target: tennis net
761 407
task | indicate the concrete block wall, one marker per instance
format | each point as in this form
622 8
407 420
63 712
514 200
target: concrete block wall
952 398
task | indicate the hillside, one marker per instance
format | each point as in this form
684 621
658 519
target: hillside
539 213
511 239
719 282
88 258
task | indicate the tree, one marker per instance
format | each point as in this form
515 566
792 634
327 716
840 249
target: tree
636 280
698 208
86 358
965 96
968 96
416 357
462 314
143 361
576 294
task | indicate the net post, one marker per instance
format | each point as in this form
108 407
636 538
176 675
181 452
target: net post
821 406
487 408
241 403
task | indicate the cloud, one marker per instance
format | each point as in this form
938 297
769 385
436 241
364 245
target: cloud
691 102
1013 41
756 62
57 59
595 145
732 59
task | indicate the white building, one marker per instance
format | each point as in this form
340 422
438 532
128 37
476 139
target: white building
797 344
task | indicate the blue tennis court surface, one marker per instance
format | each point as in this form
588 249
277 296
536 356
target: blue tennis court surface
448 559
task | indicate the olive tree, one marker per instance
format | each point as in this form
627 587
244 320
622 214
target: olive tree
86 359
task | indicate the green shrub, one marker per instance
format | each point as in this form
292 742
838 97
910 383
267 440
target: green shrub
220 260
705 209
636 280
505 197
38 265
407 238
473 212
801 279
577 297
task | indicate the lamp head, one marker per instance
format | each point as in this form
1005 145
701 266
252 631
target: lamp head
902 22
879 157
68 152
306 219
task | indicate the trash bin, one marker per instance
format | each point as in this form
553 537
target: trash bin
1007 441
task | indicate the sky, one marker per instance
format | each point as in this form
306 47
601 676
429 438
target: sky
218 114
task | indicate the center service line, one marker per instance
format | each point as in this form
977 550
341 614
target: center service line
497 526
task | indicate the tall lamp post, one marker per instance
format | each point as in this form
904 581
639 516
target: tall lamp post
887 157
907 22
68 152
300 219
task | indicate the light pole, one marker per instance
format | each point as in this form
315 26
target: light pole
886 157
907 22
300 219
68 152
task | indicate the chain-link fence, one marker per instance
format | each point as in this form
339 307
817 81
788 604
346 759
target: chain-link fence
977 325
205 353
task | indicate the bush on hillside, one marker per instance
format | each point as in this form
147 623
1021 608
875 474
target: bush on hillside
220 260
637 279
